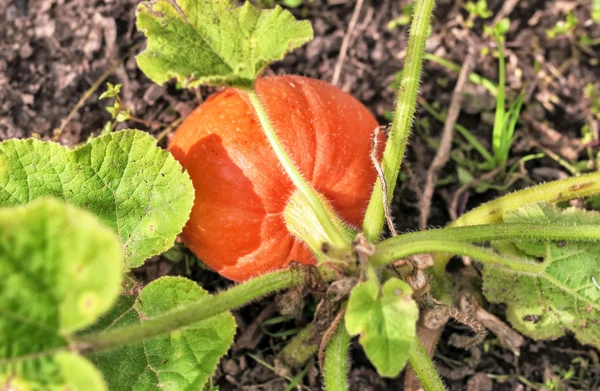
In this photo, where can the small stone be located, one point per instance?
(480, 382)
(183, 109)
(153, 93)
(27, 99)
(25, 51)
(230, 367)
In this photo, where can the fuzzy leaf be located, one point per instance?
(133, 186)
(182, 360)
(60, 269)
(386, 322)
(563, 296)
(214, 42)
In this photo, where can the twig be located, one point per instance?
(463, 341)
(91, 90)
(386, 208)
(561, 144)
(417, 278)
(275, 370)
(412, 180)
(429, 337)
(443, 152)
(453, 208)
(344, 48)
(507, 8)
(507, 336)
(85, 97)
(363, 250)
(465, 317)
(327, 337)
(251, 336)
(168, 129)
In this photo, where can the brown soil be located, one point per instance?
(53, 51)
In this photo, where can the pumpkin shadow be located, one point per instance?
(227, 215)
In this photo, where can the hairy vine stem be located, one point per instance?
(483, 233)
(484, 255)
(403, 118)
(336, 360)
(294, 173)
(557, 191)
(202, 309)
(586, 185)
(424, 369)
(394, 154)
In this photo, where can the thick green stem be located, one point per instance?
(202, 309)
(484, 255)
(492, 212)
(290, 168)
(424, 369)
(304, 224)
(299, 350)
(487, 232)
(403, 119)
(558, 191)
(336, 360)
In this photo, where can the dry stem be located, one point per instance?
(327, 337)
(344, 48)
(443, 152)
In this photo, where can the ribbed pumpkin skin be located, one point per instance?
(236, 226)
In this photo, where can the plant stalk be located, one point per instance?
(294, 174)
(423, 367)
(336, 360)
(299, 350)
(499, 120)
(487, 232)
(484, 255)
(403, 119)
(202, 309)
(557, 191)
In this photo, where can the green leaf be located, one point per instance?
(182, 360)
(79, 373)
(563, 27)
(60, 269)
(561, 297)
(111, 91)
(214, 42)
(123, 115)
(134, 187)
(292, 3)
(464, 176)
(502, 26)
(386, 321)
(60, 371)
(479, 9)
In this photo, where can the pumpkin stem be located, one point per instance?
(315, 203)
(302, 222)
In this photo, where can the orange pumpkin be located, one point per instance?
(236, 225)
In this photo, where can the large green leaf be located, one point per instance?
(213, 41)
(184, 359)
(386, 321)
(561, 297)
(133, 186)
(60, 269)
